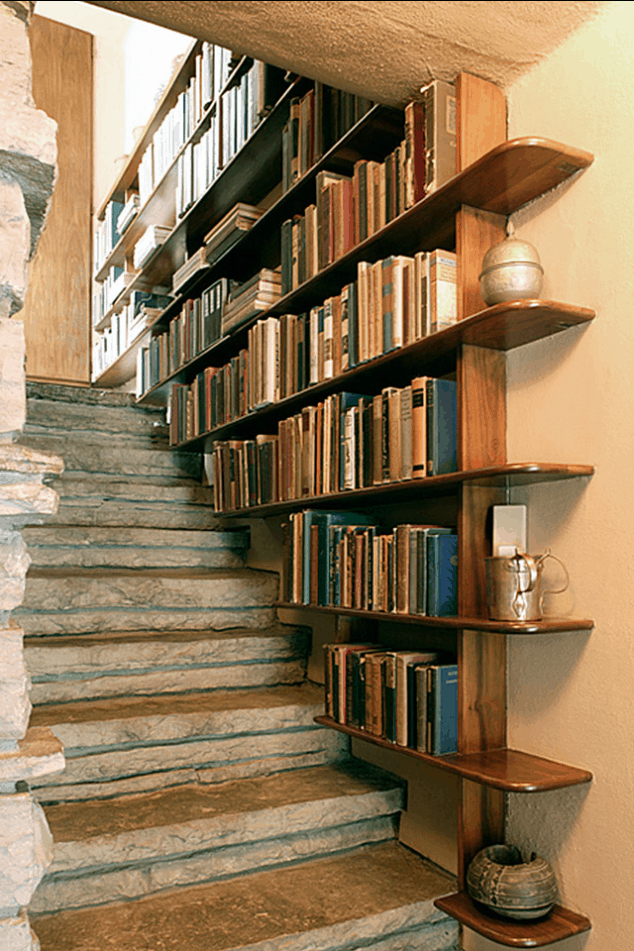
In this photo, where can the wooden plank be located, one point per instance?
(476, 232)
(501, 770)
(563, 625)
(480, 118)
(560, 923)
(57, 310)
(481, 375)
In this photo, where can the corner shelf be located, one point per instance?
(501, 327)
(507, 770)
(560, 923)
(548, 625)
(510, 475)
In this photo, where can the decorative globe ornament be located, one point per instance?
(499, 879)
(511, 270)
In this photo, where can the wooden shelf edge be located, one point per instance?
(513, 474)
(504, 769)
(560, 923)
(549, 625)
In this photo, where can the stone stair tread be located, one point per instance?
(349, 901)
(83, 536)
(199, 803)
(69, 571)
(85, 642)
(121, 708)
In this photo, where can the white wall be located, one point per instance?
(571, 399)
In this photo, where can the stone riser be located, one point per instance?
(293, 751)
(108, 547)
(111, 457)
(118, 514)
(91, 490)
(67, 603)
(171, 681)
(46, 416)
(295, 844)
(117, 665)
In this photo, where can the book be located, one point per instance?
(442, 426)
(442, 709)
(439, 103)
(442, 575)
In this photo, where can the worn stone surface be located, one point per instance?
(26, 850)
(270, 754)
(15, 706)
(105, 456)
(70, 602)
(363, 899)
(12, 353)
(211, 864)
(119, 513)
(37, 754)
(14, 564)
(24, 503)
(125, 422)
(16, 934)
(101, 666)
(136, 739)
(98, 547)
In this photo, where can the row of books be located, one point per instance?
(347, 441)
(393, 302)
(212, 68)
(108, 292)
(406, 697)
(316, 121)
(126, 326)
(191, 332)
(237, 114)
(344, 559)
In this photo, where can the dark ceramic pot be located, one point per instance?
(500, 880)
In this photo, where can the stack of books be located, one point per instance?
(194, 266)
(129, 212)
(405, 697)
(251, 298)
(230, 229)
(151, 240)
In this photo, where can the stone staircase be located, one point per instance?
(201, 806)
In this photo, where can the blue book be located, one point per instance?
(442, 575)
(442, 426)
(325, 521)
(442, 709)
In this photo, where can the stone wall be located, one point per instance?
(27, 176)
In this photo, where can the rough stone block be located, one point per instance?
(15, 245)
(37, 755)
(26, 850)
(12, 392)
(16, 935)
(15, 707)
(14, 564)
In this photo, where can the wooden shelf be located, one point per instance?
(506, 770)
(549, 625)
(511, 475)
(502, 327)
(124, 367)
(560, 923)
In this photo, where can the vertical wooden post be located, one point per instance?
(481, 376)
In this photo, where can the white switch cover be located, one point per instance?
(509, 529)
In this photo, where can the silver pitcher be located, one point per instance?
(514, 586)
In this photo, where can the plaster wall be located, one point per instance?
(570, 400)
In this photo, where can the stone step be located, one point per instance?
(124, 547)
(101, 501)
(379, 897)
(103, 455)
(136, 744)
(138, 845)
(125, 422)
(65, 601)
(149, 662)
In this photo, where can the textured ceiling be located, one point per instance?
(385, 49)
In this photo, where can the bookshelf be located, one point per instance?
(494, 178)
